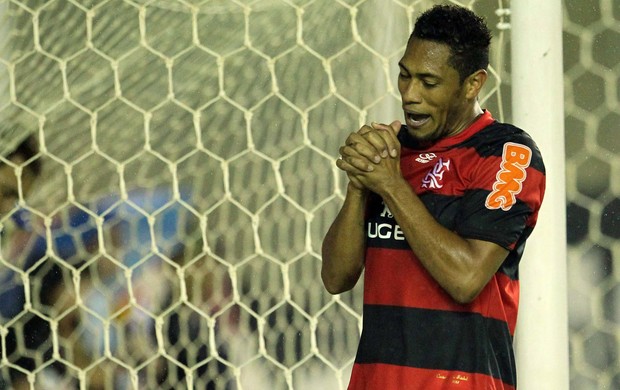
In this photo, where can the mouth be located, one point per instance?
(416, 120)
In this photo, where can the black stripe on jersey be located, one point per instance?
(501, 227)
(510, 266)
(452, 212)
(383, 232)
(489, 142)
(425, 338)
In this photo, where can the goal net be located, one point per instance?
(173, 237)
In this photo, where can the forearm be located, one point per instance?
(462, 267)
(343, 248)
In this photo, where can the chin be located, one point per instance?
(426, 138)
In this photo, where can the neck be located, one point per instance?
(472, 114)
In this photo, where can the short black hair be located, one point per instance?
(27, 149)
(462, 30)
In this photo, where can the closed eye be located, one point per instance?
(429, 84)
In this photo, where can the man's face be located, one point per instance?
(433, 98)
(9, 190)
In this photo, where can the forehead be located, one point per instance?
(424, 56)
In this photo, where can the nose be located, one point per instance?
(410, 91)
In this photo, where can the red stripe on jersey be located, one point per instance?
(390, 377)
(483, 121)
(482, 171)
(529, 194)
(401, 280)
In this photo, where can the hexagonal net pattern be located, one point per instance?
(592, 85)
(172, 239)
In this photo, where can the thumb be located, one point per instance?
(396, 126)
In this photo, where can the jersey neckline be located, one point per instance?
(484, 120)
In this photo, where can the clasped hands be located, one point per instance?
(371, 156)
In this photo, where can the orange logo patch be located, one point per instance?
(515, 159)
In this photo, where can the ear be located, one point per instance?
(474, 83)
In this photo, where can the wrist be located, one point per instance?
(393, 187)
(356, 191)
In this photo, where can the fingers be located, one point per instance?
(353, 162)
(358, 145)
(385, 137)
(368, 146)
(394, 127)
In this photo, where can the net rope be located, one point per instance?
(173, 238)
(591, 67)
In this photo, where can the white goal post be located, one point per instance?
(538, 106)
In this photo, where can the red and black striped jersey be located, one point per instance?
(485, 183)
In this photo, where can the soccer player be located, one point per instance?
(436, 214)
(12, 297)
(9, 186)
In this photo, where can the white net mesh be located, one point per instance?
(172, 240)
(591, 68)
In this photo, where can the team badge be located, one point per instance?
(425, 157)
(434, 178)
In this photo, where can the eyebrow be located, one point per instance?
(421, 75)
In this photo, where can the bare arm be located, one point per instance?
(461, 266)
(344, 245)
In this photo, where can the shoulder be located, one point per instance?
(499, 138)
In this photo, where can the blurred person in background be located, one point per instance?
(14, 187)
(28, 341)
(50, 293)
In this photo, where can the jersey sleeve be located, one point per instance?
(507, 189)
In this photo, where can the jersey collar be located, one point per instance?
(480, 123)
